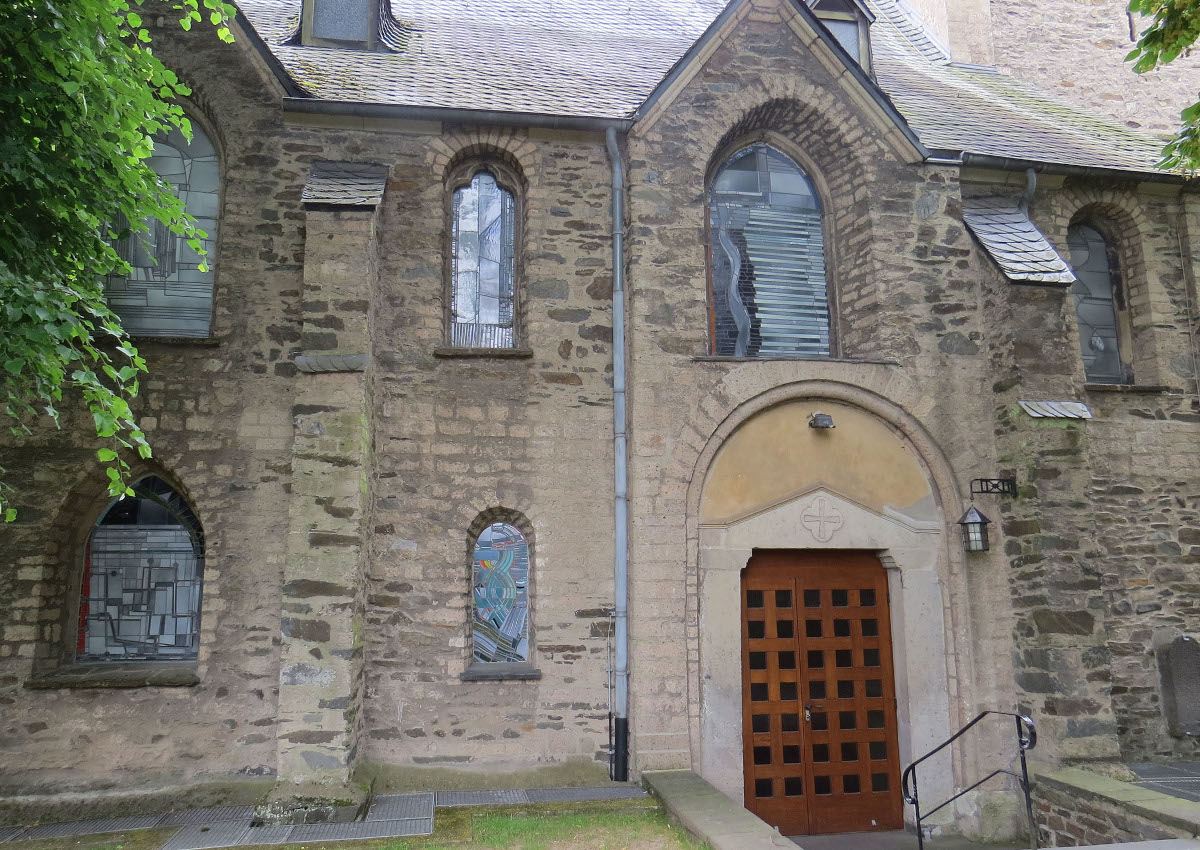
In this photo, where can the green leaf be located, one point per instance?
(106, 455)
(10, 514)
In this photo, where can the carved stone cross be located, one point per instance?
(822, 519)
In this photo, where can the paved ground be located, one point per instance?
(898, 840)
(1179, 779)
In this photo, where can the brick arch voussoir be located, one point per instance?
(510, 146)
(779, 107)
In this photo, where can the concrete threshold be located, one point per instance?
(709, 815)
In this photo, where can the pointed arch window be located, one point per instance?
(1098, 304)
(483, 308)
(166, 292)
(768, 293)
(500, 595)
(143, 571)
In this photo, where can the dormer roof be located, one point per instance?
(604, 58)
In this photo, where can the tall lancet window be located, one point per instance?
(1097, 295)
(483, 296)
(166, 292)
(768, 293)
(500, 581)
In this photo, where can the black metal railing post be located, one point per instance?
(1026, 740)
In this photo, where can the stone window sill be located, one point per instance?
(1145, 389)
(201, 341)
(724, 358)
(144, 674)
(480, 672)
(507, 353)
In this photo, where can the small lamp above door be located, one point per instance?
(974, 530)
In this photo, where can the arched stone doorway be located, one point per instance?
(770, 482)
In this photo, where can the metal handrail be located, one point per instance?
(1026, 740)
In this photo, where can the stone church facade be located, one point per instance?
(348, 463)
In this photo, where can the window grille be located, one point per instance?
(165, 293)
(483, 304)
(1095, 304)
(500, 579)
(769, 295)
(143, 569)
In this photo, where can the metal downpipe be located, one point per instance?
(620, 750)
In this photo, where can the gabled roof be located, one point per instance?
(604, 58)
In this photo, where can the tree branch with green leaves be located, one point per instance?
(1173, 30)
(82, 97)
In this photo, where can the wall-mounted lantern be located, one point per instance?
(820, 420)
(974, 530)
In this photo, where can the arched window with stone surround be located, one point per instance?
(168, 291)
(142, 579)
(1099, 304)
(500, 567)
(483, 261)
(768, 294)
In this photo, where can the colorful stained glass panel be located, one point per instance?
(500, 626)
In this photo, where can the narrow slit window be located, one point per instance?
(1096, 301)
(768, 291)
(500, 626)
(168, 290)
(142, 577)
(483, 298)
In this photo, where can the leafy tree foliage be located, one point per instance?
(81, 98)
(1174, 28)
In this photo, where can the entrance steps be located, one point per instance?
(725, 825)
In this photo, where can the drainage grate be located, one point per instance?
(573, 795)
(8, 833)
(92, 827)
(200, 837)
(266, 835)
(480, 798)
(401, 807)
(350, 831)
(207, 816)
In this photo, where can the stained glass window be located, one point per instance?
(143, 566)
(483, 300)
(1095, 304)
(769, 295)
(500, 626)
(165, 292)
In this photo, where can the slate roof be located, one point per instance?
(1056, 409)
(603, 58)
(1014, 242)
(347, 184)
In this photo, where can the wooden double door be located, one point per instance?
(818, 693)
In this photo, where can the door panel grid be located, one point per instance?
(819, 716)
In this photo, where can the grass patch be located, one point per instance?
(562, 826)
(599, 825)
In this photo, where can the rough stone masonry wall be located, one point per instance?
(524, 438)
(218, 416)
(1077, 48)
(1070, 819)
(1098, 542)
(908, 312)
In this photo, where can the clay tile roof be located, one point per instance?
(349, 184)
(603, 58)
(1014, 242)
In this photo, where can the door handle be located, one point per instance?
(807, 713)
